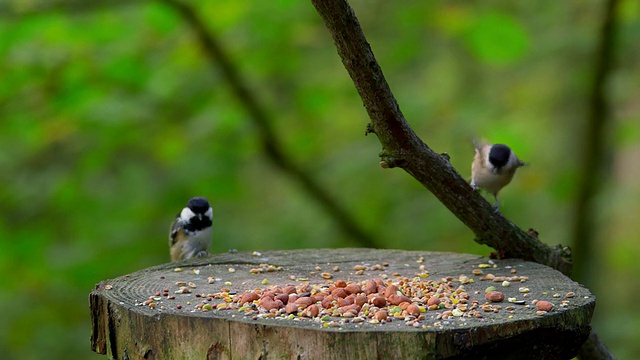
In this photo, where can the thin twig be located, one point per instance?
(271, 144)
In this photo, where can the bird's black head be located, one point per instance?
(198, 205)
(499, 155)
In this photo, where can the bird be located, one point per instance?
(493, 168)
(190, 233)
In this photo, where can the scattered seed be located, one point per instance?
(543, 305)
(494, 296)
(410, 299)
(248, 297)
(490, 288)
(413, 310)
(433, 301)
(380, 315)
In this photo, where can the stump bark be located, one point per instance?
(126, 326)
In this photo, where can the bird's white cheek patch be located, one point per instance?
(209, 213)
(186, 214)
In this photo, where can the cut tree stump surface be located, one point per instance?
(127, 326)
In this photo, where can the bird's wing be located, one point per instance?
(173, 231)
(479, 144)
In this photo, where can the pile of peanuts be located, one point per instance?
(374, 300)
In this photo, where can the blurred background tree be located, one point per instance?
(111, 117)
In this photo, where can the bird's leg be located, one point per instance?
(474, 186)
(496, 204)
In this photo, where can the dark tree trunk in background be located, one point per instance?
(596, 149)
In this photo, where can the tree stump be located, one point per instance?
(172, 311)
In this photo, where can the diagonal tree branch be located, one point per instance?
(270, 142)
(403, 148)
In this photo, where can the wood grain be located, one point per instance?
(124, 329)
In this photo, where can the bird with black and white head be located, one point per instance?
(493, 168)
(190, 233)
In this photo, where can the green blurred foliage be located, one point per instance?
(111, 118)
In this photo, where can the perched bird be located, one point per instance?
(493, 168)
(190, 233)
